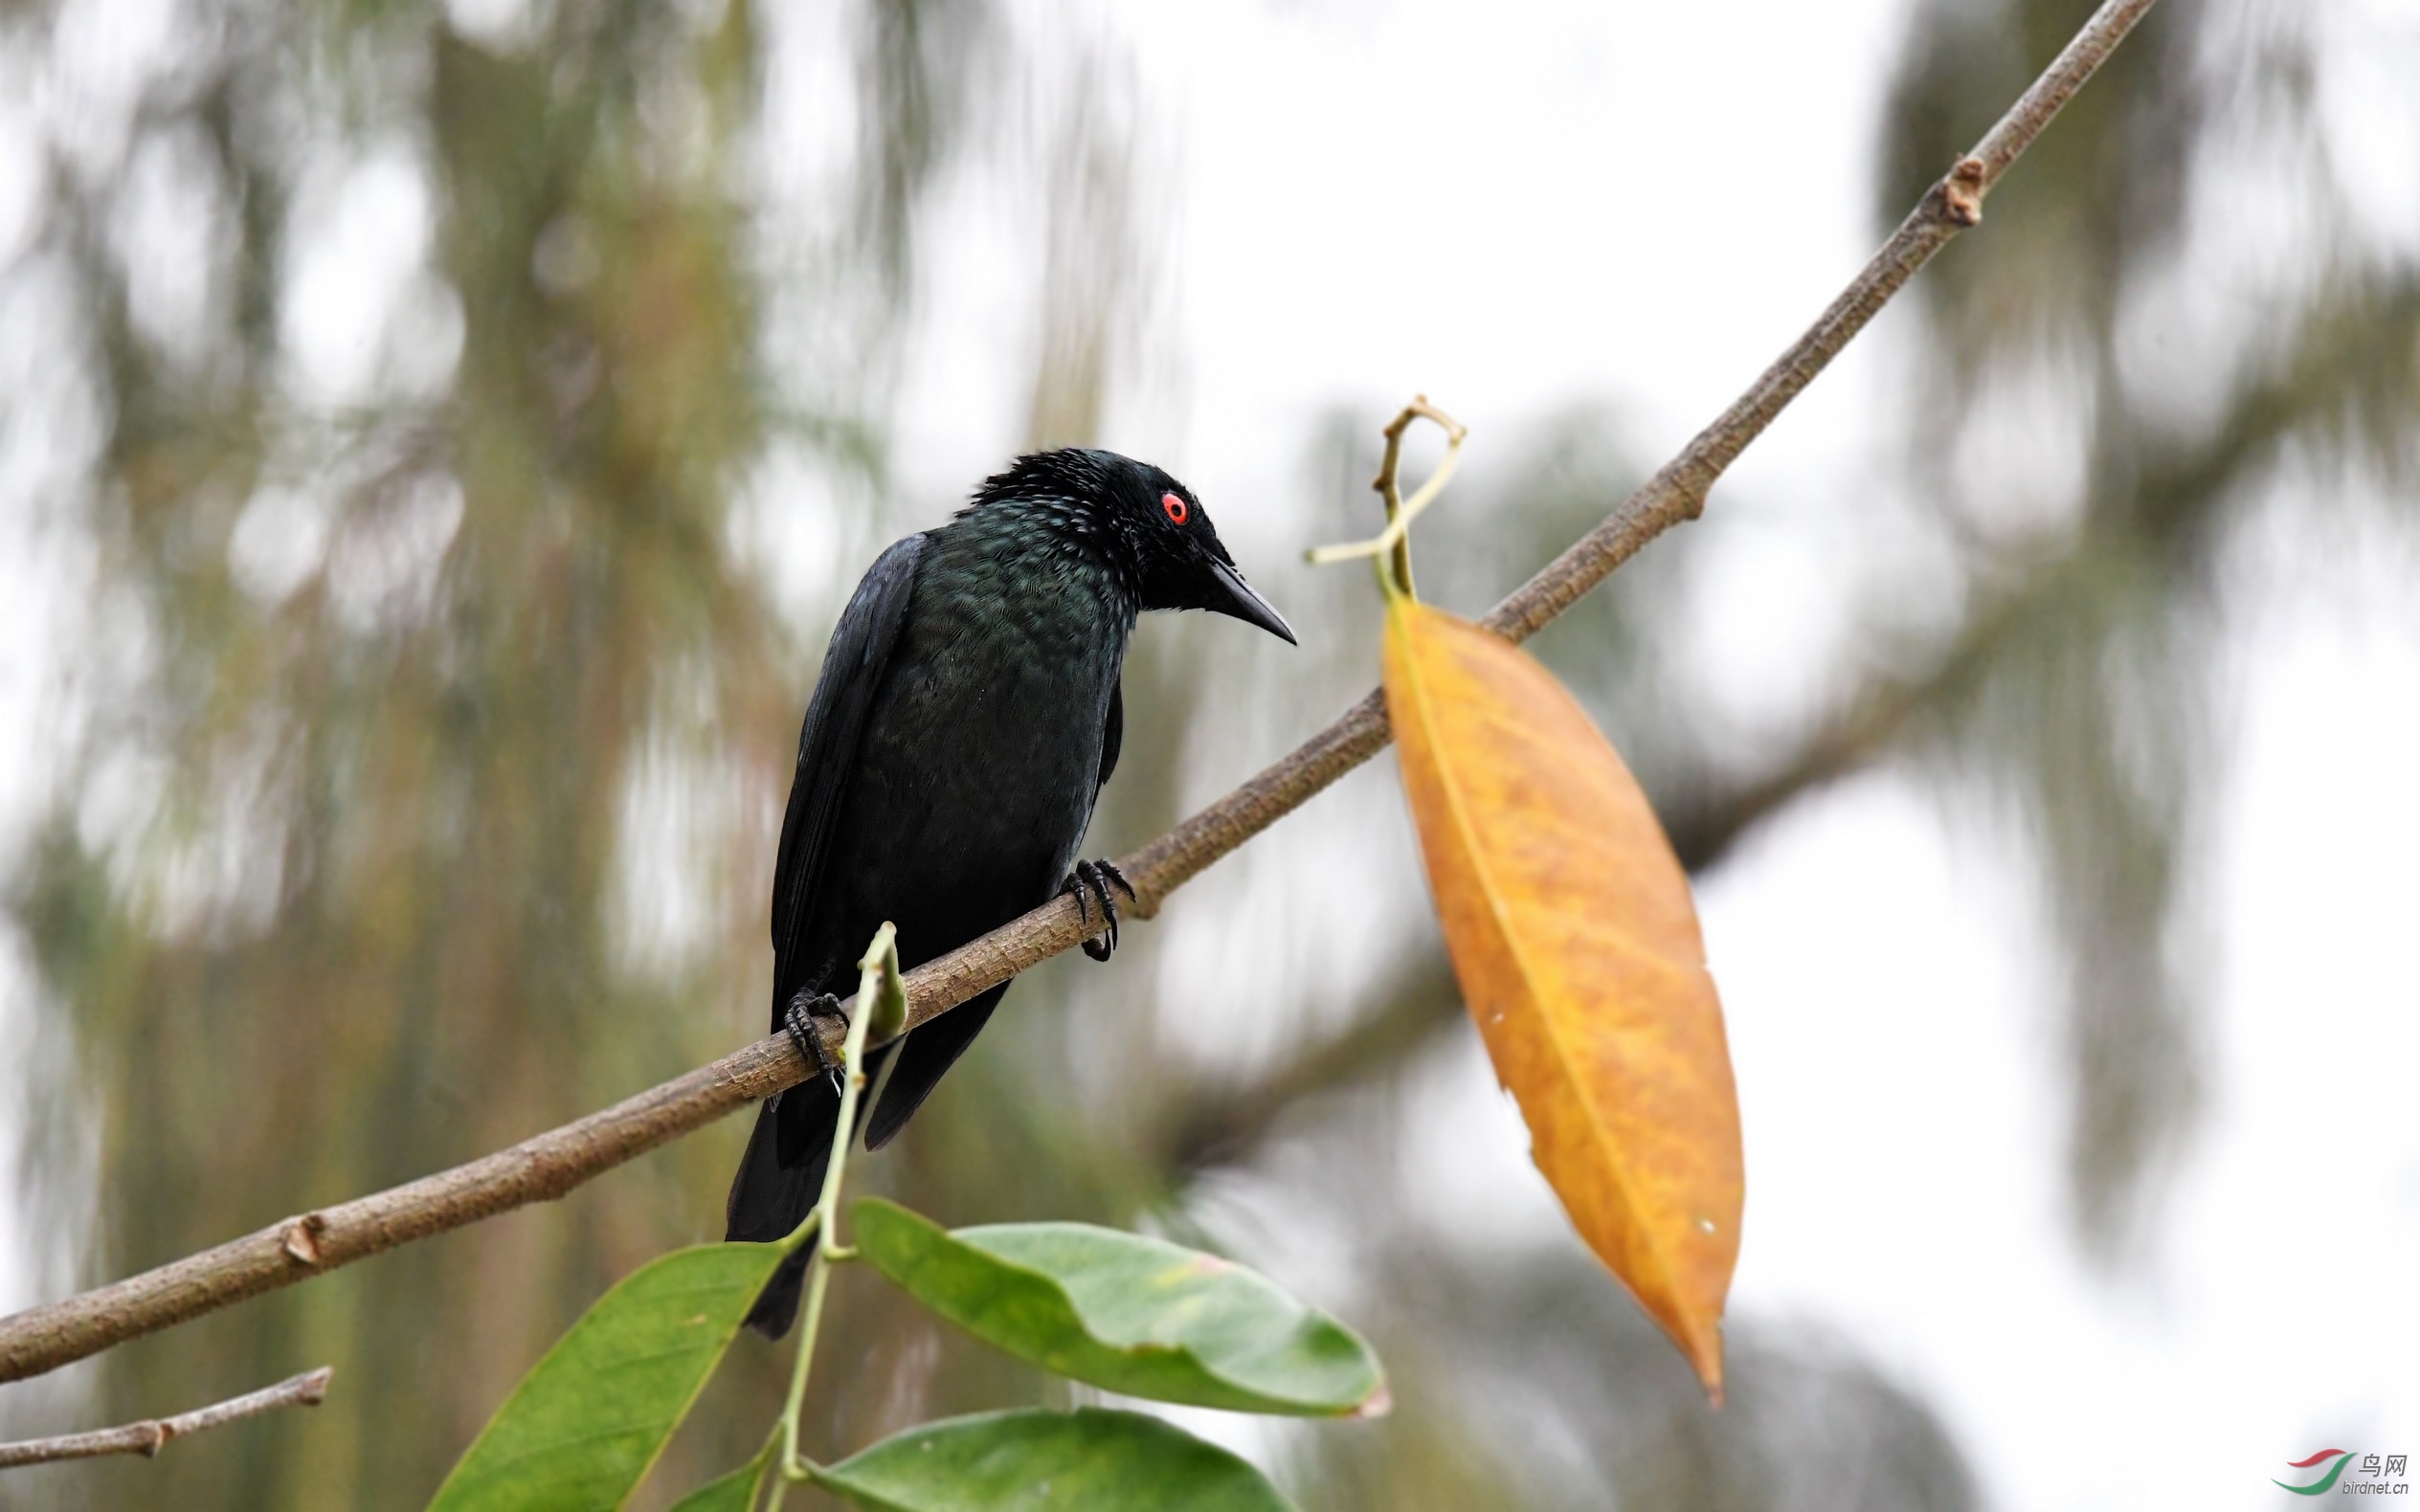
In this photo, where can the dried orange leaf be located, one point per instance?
(1577, 947)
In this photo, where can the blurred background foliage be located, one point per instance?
(423, 755)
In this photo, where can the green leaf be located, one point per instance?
(1089, 1460)
(734, 1492)
(1138, 1316)
(583, 1427)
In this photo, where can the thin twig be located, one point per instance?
(149, 1437)
(1396, 541)
(46, 1337)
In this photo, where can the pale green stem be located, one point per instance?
(880, 963)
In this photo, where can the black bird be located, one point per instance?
(966, 715)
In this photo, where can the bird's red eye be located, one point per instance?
(1175, 508)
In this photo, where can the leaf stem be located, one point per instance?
(1391, 548)
(877, 972)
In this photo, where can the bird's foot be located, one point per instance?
(804, 1018)
(1091, 883)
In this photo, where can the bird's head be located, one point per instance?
(1154, 526)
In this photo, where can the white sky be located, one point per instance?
(1511, 208)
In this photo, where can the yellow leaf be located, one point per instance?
(1577, 947)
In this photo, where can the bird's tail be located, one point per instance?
(779, 1181)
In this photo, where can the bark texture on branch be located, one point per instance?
(149, 1437)
(46, 1337)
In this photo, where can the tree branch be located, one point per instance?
(149, 1437)
(1225, 1124)
(1704, 826)
(46, 1337)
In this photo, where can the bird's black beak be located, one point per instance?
(1235, 596)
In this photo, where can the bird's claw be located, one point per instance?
(801, 1018)
(1090, 882)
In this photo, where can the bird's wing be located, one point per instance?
(828, 740)
(1112, 735)
(928, 1050)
